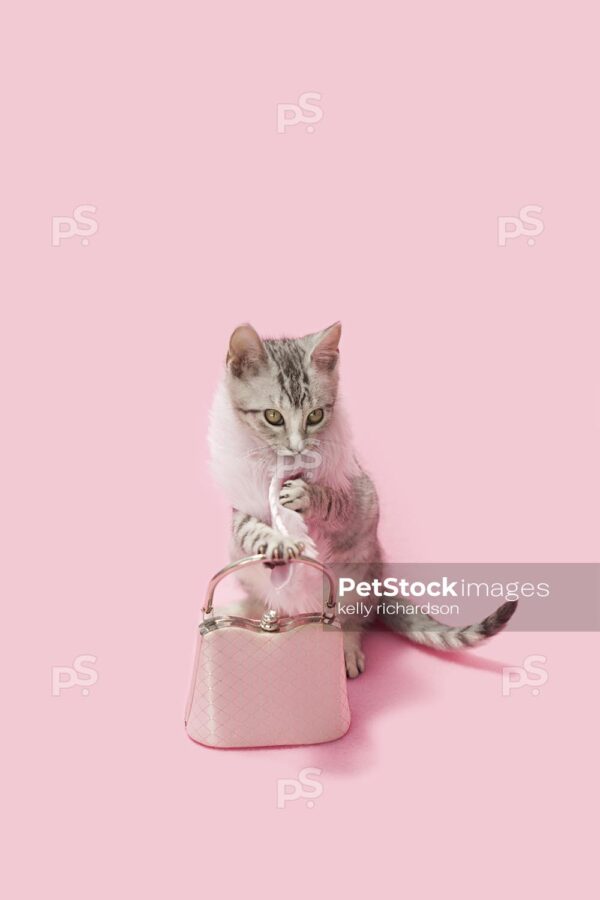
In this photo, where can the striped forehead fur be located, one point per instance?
(289, 357)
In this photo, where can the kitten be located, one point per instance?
(279, 400)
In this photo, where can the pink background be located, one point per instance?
(469, 370)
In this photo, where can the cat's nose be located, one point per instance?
(296, 444)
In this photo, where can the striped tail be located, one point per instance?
(427, 631)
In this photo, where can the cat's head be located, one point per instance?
(284, 390)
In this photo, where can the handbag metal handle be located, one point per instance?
(328, 605)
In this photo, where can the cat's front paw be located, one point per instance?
(353, 654)
(280, 547)
(295, 494)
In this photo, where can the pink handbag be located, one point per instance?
(275, 682)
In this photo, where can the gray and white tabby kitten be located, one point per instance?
(281, 397)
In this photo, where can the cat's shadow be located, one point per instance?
(390, 682)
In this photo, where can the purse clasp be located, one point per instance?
(270, 620)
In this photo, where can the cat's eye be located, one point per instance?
(273, 417)
(315, 417)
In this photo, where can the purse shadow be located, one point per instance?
(391, 680)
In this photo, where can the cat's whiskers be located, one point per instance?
(318, 441)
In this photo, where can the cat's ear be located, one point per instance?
(325, 353)
(246, 354)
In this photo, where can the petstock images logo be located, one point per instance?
(548, 596)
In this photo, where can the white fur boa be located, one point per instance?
(250, 475)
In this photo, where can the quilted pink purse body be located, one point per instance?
(277, 681)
